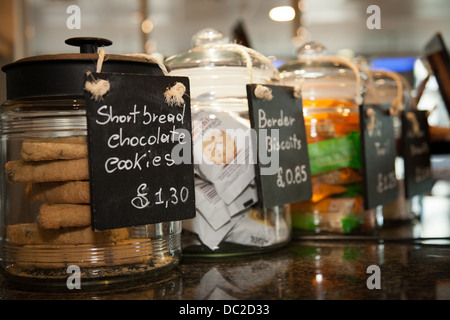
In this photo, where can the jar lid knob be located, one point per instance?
(88, 44)
(311, 49)
(208, 36)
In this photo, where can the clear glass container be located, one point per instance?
(388, 87)
(229, 221)
(45, 231)
(331, 89)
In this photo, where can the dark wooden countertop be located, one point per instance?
(413, 262)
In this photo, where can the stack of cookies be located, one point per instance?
(55, 172)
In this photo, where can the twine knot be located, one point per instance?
(262, 92)
(371, 114)
(298, 89)
(174, 95)
(97, 87)
(414, 122)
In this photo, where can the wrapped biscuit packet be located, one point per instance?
(215, 218)
(222, 147)
(207, 234)
(214, 209)
(257, 228)
(245, 200)
(210, 205)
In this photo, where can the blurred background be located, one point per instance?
(166, 27)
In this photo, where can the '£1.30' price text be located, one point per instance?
(160, 197)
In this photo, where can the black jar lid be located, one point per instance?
(62, 75)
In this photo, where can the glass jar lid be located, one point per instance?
(219, 71)
(212, 49)
(323, 76)
(386, 87)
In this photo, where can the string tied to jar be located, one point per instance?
(397, 102)
(263, 92)
(338, 60)
(414, 122)
(239, 49)
(97, 87)
(298, 88)
(371, 115)
(174, 95)
(150, 58)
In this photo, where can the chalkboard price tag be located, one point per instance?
(282, 171)
(378, 152)
(135, 177)
(415, 149)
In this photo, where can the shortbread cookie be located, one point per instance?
(46, 171)
(30, 233)
(73, 192)
(55, 216)
(40, 149)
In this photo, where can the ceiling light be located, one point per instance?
(283, 13)
(147, 26)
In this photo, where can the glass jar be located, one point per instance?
(388, 87)
(45, 228)
(228, 220)
(331, 90)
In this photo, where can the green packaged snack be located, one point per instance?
(304, 221)
(335, 153)
(353, 190)
(351, 222)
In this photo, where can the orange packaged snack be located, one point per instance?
(329, 118)
(322, 190)
(340, 176)
(335, 215)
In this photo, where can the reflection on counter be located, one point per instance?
(304, 270)
(156, 288)
(244, 279)
(412, 258)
